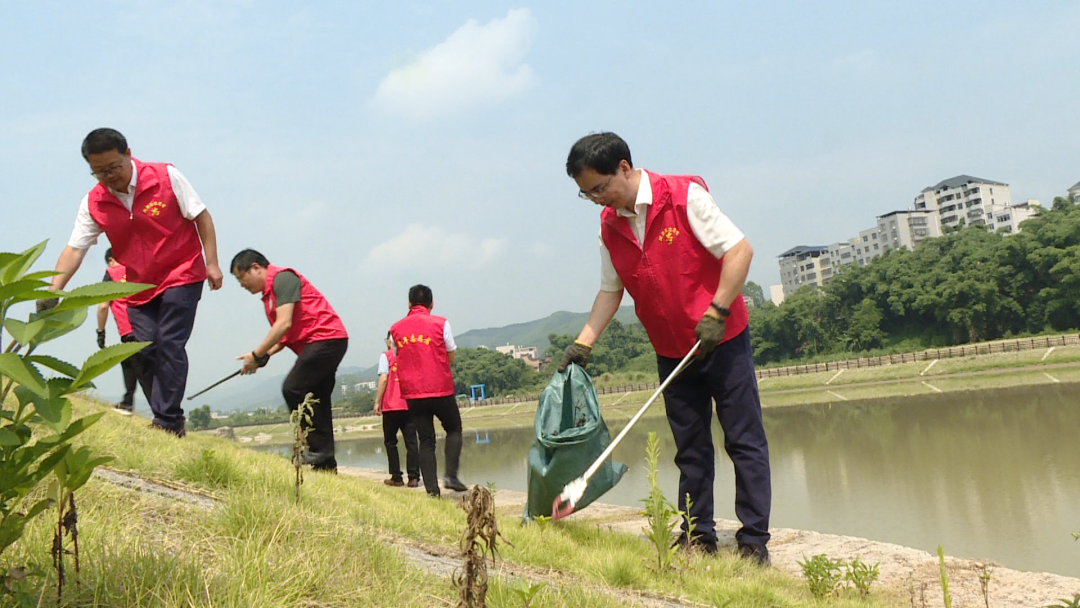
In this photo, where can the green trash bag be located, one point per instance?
(570, 436)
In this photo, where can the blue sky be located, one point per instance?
(375, 145)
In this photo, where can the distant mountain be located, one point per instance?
(535, 333)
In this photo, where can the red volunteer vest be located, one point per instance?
(313, 319)
(673, 277)
(392, 400)
(154, 241)
(119, 307)
(423, 364)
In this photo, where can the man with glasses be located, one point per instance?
(159, 230)
(302, 320)
(664, 240)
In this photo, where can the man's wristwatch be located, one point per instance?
(720, 310)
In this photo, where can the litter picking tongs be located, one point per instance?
(574, 490)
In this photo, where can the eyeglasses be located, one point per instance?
(596, 193)
(110, 170)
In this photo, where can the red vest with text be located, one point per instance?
(392, 401)
(673, 277)
(423, 363)
(313, 320)
(119, 307)
(154, 241)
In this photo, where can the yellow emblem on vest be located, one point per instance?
(153, 208)
(667, 235)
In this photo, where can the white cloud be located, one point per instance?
(476, 64)
(421, 246)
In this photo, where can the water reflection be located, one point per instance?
(989, 474)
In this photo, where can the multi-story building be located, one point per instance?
(1075, 192)
(804, 265)
(963, 200)
(906, 229)
(1008, 218)
(841, 254)
(529, 354)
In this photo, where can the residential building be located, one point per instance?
(1075, 192)
(906, 229)
(964, 200)
(867, 246)
(842, 254)
(776, 294)
(804, 265)
(529, 354)
(1008, 218)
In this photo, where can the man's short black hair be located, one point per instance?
(600, 152)
(420, 295)
(108, 255)
(247, 257)
(103, 140)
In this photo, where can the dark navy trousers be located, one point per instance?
(424, 412)
(392, 422)
(315, 372)
(166, 322)
(726, 376)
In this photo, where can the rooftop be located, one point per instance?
(904, 211)
(804, 249)
(960, 180)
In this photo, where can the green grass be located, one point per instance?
(337, 546)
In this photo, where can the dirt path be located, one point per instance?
(906, 570)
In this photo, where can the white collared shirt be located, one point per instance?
(712, 228)
(86, 230)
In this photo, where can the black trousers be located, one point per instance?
(314, 372)
(424, 412)
(131, 370)
(394, 421)
(726, 376)
(166, 322)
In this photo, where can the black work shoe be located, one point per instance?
(708, 547)
(413, 483)
(179, 434)
(397, 483)
(453, 483)
(757, 554)
(124, 408)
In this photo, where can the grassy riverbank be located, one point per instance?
(345, 544)
(1060, 364)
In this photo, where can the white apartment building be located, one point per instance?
(841, 254)
(964, 199)
(906, 229)
(1009, 218)
(804, 265)
(776, 294)
(1075, 191)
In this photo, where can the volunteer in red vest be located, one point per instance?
(130, 366)
(425, 350)
(395, 417)
(663, 239)
(159, 230)
(302, 320)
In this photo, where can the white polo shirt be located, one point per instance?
(712, 228)
(86, 230)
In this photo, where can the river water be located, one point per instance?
(988, 474)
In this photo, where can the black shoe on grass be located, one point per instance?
(453, 483)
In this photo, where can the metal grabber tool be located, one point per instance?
(229, 377)
(574, 490)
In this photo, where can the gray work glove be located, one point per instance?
(46, 304)
(575, 353)
(710, 331)
(101, 338)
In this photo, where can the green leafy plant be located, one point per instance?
(986, 572)
(660, 514)
(37, 426)
(944, 578)
(527, 592)
(823, 574)
(861, 575)
(300, 419)
(1066, 602)
(543, 521)
(1076, 535)
(690, 521)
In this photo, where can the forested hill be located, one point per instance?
(535, 333)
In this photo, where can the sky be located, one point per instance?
(375, 145)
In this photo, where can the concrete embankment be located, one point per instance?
(909, 572)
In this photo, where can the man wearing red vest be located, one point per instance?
(302, 320)
(130, 366)
(395, 417)
(159, 230)
(425, 350)
(664, 240)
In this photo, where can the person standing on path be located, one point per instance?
(395, 417)
(425, 351)
(159, 230)
(663, 239)
(302, 320)
(130, 366)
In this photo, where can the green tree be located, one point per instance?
(199, 418)
(753, 291)
(500, 374)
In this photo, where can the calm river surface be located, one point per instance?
(988, 475)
